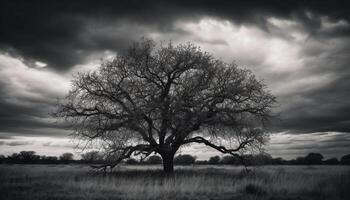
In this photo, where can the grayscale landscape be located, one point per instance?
(174, 99)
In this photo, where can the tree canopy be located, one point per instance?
(160, 98)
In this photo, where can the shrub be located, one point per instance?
(153, 160)
(331, 161)
(185, 159)
(214, 160)
(229, 160)
(345, 160)
(313, 159)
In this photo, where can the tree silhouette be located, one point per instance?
(66, 157)
(313, 159)
(2, 158)
(214, 160)
(92, 157)
(153, 160)
(331, 161)
(158, 99)
(229, 160)
(185, 159)
(345, 159)
(28, 156)
(262, 159)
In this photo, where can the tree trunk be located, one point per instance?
(168, 163)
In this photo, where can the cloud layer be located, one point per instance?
(300, 49)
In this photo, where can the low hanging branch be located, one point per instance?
(233, 152)
(123, 154)
(221, 149)
(156, 98)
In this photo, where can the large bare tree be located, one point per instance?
(160, 98)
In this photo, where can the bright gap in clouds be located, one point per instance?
(24, 85)
(277, 55)
(40, 64)
(248, 45)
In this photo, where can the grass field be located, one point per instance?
(194, 182)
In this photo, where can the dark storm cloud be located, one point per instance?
(18, 120)
(329, 144)
(27, 96)
(63, 33)
(325, 108)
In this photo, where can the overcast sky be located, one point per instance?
(300, 48)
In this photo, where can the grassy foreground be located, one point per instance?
(198, 182)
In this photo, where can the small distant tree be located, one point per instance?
(184, 159)
(262, 159)
(66, 157)
(229, 160)
(154, 160)
(158, 99)
(51, 159)
(299, 161)
(28, 156)
(2, 158)
(278, 161)
(92, 157)
(331, 161)
(14, 158)
(313, 159)
(214, 160)
(345, 160)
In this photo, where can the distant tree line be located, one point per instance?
(266, 159)
(94, 157)
(260, 159)
(30, 157)
(184, 159)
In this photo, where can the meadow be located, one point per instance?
(192, 182)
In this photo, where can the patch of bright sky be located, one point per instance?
(40, 64)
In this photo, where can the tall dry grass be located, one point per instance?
(197, 182)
